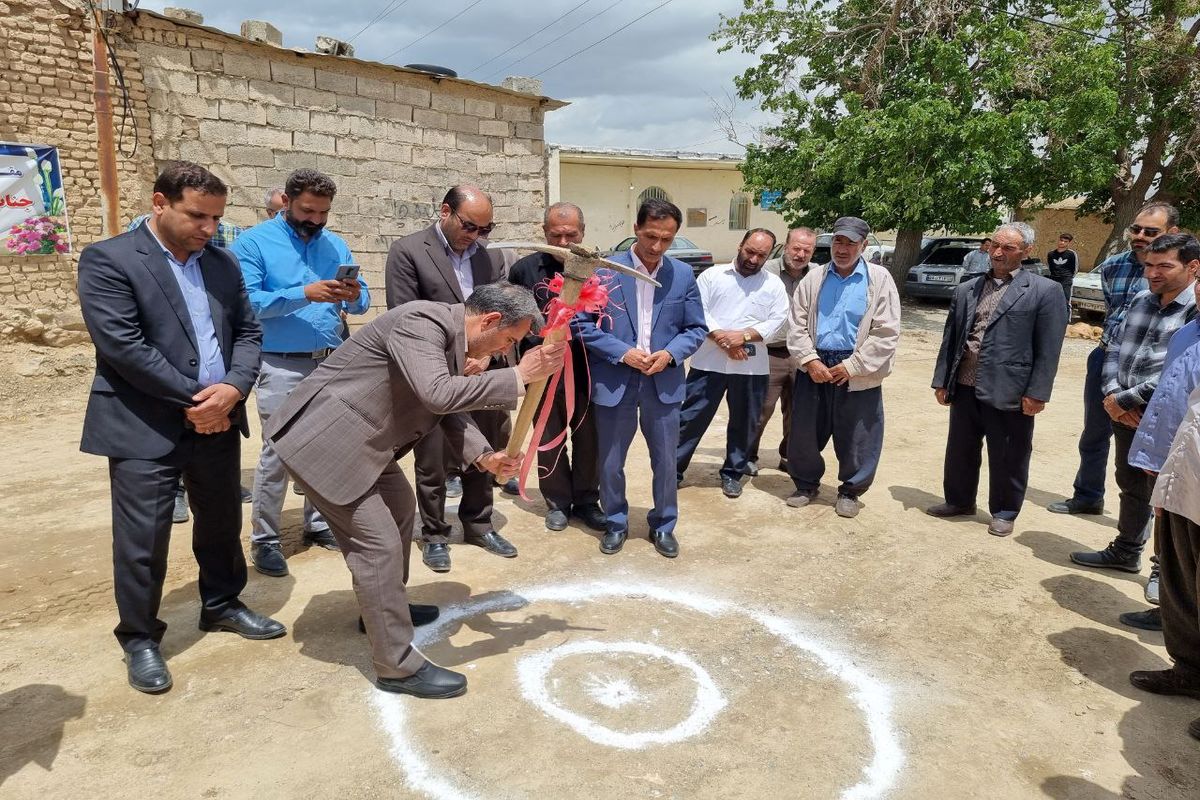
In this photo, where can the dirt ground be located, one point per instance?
(785, 653)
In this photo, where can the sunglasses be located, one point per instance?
(1136, 229)
(471, 227)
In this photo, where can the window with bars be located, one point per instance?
(739, 212)
(653, 193)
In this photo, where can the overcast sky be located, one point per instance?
(649, 86)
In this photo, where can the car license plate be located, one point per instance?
(940, 278)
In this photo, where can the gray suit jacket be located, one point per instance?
(381, 391)
(418, 269)
(147, 357)
(1019, 353)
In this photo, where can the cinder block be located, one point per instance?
(283, 72)
(376, 89)
(353, 104)
(356, 148)
(426, 118)
(440, 139)
(314, 142)
(495, 127)
(170, 80)
(291, 118)
(338, 82)
(268, 92)
(396, 112)
(485, 109)
(515, 113)
(461, 123)
(447, 102)
(243, 112)
(258, 30)
(246, 65)
(222, 87)
(274, 138)
(325, 122)
(412, 95)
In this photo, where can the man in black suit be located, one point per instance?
(995, 370)
(177, 350)
(444, 263)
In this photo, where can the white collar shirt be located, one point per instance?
(645, 301)
(733, 301)
(460, 263)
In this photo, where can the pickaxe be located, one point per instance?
(579, 264)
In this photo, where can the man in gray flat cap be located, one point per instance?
(843, 331)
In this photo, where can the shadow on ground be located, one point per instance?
(32, 718)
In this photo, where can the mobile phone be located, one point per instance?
(347, 272)
(749, 348)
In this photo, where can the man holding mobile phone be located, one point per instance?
(300, 279)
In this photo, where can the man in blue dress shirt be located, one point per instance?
(289, 263)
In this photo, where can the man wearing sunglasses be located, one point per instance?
(444, 263)
(1122, 279)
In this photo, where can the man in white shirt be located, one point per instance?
(980, 260)
(743, 305)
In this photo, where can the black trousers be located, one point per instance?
(571, 481)
(1009, 436)
(1133, 519)
(1179, 559)
(854, 420)
(434, 462)
(143, 496)
(743, 394)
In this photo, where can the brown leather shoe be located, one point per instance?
(1164, 681)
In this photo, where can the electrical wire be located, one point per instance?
(423, 36)
(530, 36)
(127, 115)
(605, 39)
(555, 40)
(383, 14)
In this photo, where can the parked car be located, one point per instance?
(683, 249)
(1087, 294)
(821, 253)
(940, 268)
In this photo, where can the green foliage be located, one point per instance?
(943, 113)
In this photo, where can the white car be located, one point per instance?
(1087, 294)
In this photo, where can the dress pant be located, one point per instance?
(375, 535)
(1133, 519)
(568, 482)
(143, 497)
(1178, 541)
(278, 377)
(854, 420)
(660, 426)
(1009, 437)
(1094, 440)
(779, 390)
(743, 395)
(434, 461)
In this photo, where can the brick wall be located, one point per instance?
(46, 98)
(394, 140)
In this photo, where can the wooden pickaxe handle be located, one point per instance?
(534, 391)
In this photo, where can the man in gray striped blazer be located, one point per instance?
(342, 429)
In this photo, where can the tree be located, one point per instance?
(933, 114)
(1131, 112)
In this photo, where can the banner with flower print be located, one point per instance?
(33, 209)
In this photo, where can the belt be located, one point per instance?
(779, 351)
(312, 354)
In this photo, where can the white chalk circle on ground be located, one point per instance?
(532, 671)
(872, 697)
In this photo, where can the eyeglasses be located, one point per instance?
(471, 227)
(1135, 229)
(1007, 248)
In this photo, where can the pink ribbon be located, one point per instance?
(593, 298)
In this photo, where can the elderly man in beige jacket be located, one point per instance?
(844, 327)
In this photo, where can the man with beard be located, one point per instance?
(302, 325)
(743, 305)
(1122, 278)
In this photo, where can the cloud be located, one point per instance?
(649, 86)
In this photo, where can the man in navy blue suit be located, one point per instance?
(638, 346)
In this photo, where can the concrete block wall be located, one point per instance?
(393, 140)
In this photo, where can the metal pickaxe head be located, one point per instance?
(579, 262)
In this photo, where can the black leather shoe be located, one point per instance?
(493, 542)
(148, 671)
(592, 516)
(556, 520)
(947, 510)
(511, 487)
(1148, 620)
(320, 539)
(430, 682)
(245, 623)
(1073, 506)
(436, 556)
(731, 488)
(664, 542)
(1164, 681)
(421, 615)
(612, 542)
(268, 559)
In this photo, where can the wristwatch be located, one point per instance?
(746, 337)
